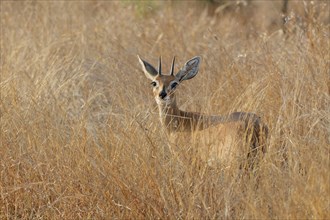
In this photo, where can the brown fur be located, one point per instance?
(230, 138)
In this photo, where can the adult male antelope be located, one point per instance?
(237, 135)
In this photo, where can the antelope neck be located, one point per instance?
(168, 110)
(176, 120)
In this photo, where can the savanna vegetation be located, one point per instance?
(80, 136)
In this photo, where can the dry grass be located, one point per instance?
(80, 135)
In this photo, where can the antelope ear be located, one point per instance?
(148, 69)
(189, 70)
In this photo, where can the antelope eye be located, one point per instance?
(154, 84)
(173, 85)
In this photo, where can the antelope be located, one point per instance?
(232, 132)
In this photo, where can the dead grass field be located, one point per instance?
(80, 135)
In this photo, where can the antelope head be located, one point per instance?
(164, 86)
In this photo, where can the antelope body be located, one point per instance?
(227, 138)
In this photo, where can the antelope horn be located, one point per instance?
(172, 68)
(160, 66)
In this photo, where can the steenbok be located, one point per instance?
(233, 137)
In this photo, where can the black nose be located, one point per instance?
(162, 94)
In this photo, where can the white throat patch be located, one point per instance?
(164, 101)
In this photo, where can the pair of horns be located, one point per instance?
(160, 66)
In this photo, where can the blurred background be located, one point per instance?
(80, 134)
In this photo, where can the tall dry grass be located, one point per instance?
(80, 136)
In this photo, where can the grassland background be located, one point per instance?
(80, 135)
